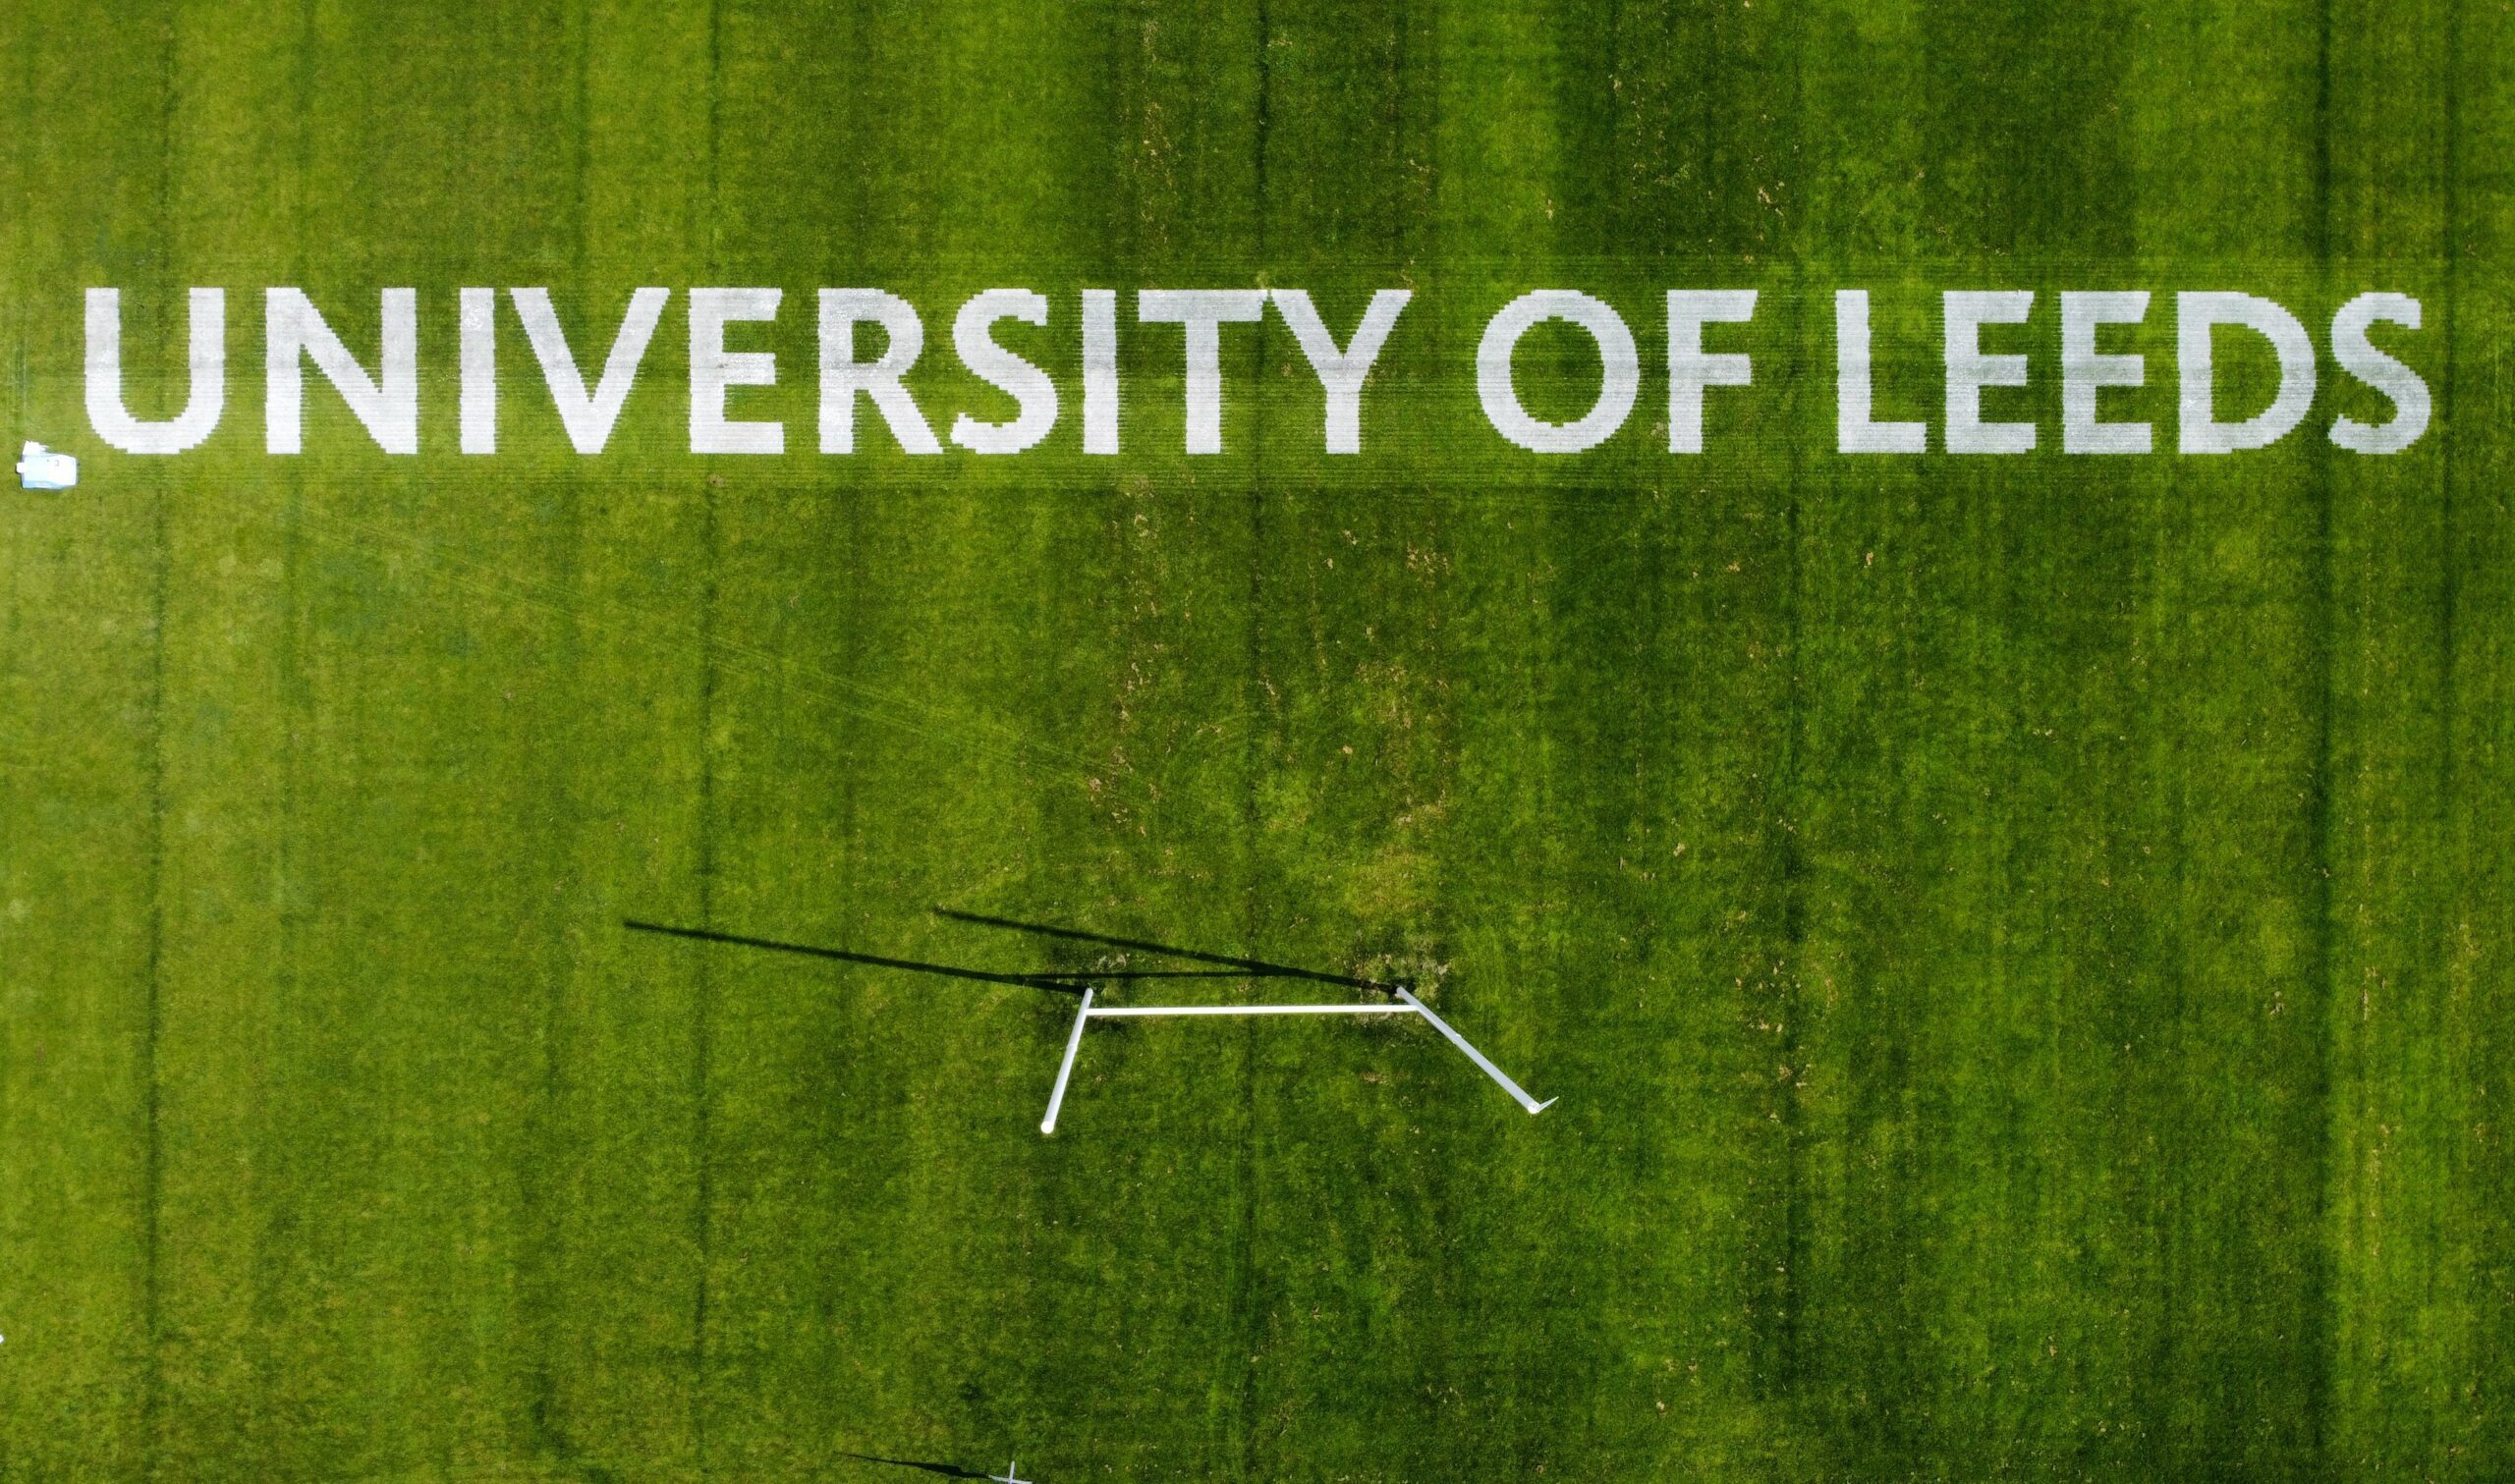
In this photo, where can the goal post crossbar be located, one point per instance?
(1123, 1012)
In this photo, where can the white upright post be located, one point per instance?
(1073, 1044)
(1495, 1072)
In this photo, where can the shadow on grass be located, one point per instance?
(947, 1470)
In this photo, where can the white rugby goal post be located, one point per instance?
(1410, 1006)
(1089, 982)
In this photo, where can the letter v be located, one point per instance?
(589, 418)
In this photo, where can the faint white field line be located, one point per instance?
(871, 704)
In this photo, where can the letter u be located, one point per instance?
(203, 403)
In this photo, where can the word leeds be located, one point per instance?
(1193, 323)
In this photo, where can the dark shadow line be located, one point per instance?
(1101, 976)
(1253, 966)
(947, 1470)
(1051, 983)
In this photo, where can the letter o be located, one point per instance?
(1621, 383)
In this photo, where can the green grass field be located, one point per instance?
(2022, 944)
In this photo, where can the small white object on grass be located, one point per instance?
(40, 468)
